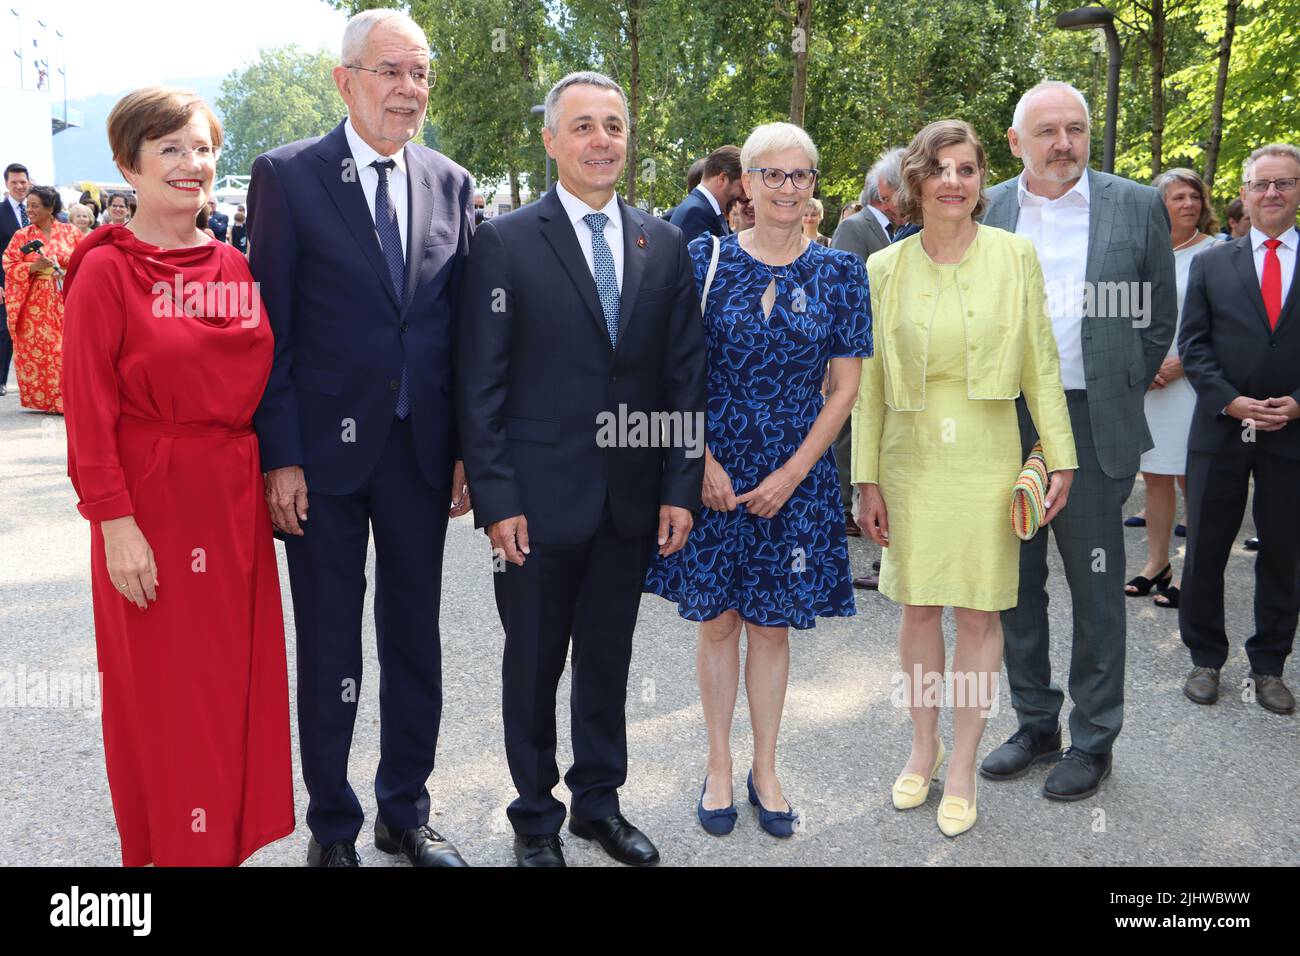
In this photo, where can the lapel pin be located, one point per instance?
(640, 242)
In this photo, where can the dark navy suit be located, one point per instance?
(535, 373)
(342, 336)
(695, 217)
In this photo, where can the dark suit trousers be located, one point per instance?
(1090, 537)
(327, 572)
(843, 451)
(1217, 485)
(591, 592)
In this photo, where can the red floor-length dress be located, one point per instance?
(158, 406)
(34, 306)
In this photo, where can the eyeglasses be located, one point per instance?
(174, 154)
(423, 79)
(1261, 185)
(774, 178)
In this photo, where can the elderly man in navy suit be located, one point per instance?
(359, 240)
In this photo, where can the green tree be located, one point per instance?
(288, 94)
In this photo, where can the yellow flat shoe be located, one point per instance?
(956, 815)
(911, 789)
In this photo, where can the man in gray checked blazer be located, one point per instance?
(1104, 246)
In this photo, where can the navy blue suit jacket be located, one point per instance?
(695, 217)
(536, 373)
(341, 334)
(9, 224)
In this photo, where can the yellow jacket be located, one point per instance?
(1010, 348)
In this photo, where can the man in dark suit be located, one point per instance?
(1108, 267)
(358, 240)
(578, 312)
(693, 176)
(1240, 347)
(704, 210)
(13, 216)
(218, 222)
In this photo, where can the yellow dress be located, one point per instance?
(946, 474)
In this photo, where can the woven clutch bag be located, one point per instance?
(1029, 495)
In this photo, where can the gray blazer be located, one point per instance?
(860, 235)
(1128, 242)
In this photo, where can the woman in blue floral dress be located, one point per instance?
(769, 551)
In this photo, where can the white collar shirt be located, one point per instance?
(576, 209)
(1058, 229)
(398, 181)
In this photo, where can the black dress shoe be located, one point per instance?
(1272, 694)
(875, 565)
(868, 582)
(1202, 685)
(1078, 775)
(342, 853)
(619, 839)
(1252, 544)
(542, 850)
(423, 846)
(1021, 751)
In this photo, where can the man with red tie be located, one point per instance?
(1240, 346)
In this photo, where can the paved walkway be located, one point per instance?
(1192, 785)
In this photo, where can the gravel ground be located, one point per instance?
(1192, 785)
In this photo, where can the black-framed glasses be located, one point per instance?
(422, 78)
(774, 178)
(1284, 185)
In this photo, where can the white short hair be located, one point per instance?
(774, 138)
(888, 167)
(357, 32)
(1018, 118)
(1272, 149)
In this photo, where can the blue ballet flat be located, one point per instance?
(778, 823)
(718, 822)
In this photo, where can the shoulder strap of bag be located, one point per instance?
(708, 279)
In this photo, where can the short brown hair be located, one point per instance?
(921, 161)
(1207, 222)
(724, 159)
(152, 113)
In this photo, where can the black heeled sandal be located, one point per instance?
(1143, 586)
(1170, 595)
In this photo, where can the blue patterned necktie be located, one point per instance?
(390, 242)
(606, 278)
(22, 215)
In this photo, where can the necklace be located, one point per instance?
(1184, 245)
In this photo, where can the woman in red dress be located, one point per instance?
(166, 357)
(35, 303)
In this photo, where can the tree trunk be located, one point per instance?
(633, 98)
(514, 188)
(800, 38)
(1220, 88)
(1157, 85)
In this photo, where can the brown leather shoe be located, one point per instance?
(1202, 685)
(1272, 694)
(868, 582)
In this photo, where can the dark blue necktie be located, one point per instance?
(22, 215)
(390, 242)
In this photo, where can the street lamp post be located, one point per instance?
(1100, 18)
(540, 110)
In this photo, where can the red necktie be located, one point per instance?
(1271, 287)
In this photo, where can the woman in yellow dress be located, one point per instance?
(962, 330)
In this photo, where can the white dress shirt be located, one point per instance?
(398, 190)
(14, 204)
(709, 196)
(881, 218)
(1286, 254)
(576, 209)
(1058, 229)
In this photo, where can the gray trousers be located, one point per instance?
(842, 448)
(1090, 537)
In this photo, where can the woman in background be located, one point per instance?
(34, 299)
